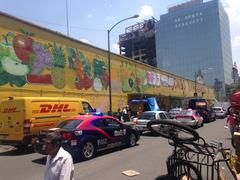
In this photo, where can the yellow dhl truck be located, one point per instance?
(22, 118)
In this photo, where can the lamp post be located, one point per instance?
(67, 17)
(195, 84)
(196, 74)
(109, 61)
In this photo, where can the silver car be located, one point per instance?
(219, 111)
(141, 122)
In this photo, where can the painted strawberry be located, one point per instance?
(22, 44)
(105, 80)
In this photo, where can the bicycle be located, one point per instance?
(192, 157)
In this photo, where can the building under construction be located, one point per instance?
(138, 42)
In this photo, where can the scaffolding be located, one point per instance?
(138, 42)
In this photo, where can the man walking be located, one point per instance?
(59, 164)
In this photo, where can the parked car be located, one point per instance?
(173, 112)
(141, 122)
(220, 112)
(190, 117)
(84, 135)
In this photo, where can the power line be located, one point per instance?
(62, 25)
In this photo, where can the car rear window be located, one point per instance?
(148, 116)
(70, 124)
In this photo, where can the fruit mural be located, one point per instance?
(101, 75)
(132, 78)
(25, 60)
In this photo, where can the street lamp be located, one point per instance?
(67, 17)
(196, 74)
(109, 61)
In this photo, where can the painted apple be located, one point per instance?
(14, 67)
(22, 45)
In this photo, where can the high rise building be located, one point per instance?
(194, 37)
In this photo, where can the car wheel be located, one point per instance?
(88, 150)
(196, 126)
(132, 140)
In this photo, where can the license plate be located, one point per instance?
(73, 142)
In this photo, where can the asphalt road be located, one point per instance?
(148, 158)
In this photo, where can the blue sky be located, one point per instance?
(89, 20)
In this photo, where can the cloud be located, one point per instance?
(115, 48)
(232, 8)
(236, 42)
(89, 15)
(145, 12)
(109, 18)
(85, 41)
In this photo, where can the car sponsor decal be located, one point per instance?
(102, 141)
(121, 132)
(112, 145)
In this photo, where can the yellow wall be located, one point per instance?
(35, 61)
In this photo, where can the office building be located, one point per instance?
(194, 37)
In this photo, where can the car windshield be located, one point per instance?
(148, 115)
(69, 124)
(186, 112)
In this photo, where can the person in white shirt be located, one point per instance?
(59, 164)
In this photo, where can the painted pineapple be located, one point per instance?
(58, 70)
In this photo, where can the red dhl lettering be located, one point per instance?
(47, 108)
(10, 110)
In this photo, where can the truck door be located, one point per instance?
(12, 115)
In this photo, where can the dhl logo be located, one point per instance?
(51, 108)
(10, 110)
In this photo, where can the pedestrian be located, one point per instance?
(59, 164)
(119, 114)
(125, 114)
(231, 121)
(139, 112)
